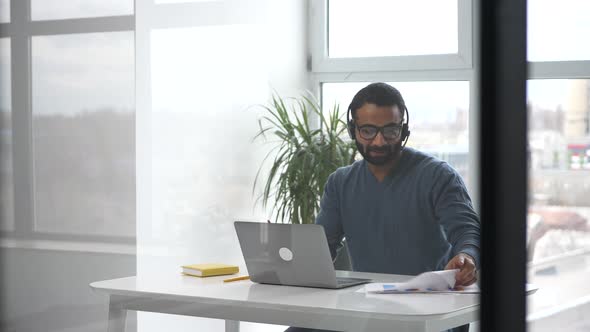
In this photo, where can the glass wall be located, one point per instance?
(203, 71)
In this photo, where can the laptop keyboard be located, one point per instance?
(342, 280)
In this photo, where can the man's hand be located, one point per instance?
(467, 272)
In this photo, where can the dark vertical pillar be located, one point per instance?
(503, 182)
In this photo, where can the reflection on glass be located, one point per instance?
(6, 177)
(559, 209)
(558, 31)
(59, 9)
(375, 28)
(439, 116)
(84, 133)
(4, 11)
(203, 165)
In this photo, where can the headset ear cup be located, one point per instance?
(405, 131)
(406, 127)
(351, 129)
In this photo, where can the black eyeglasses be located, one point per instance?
(389, 132)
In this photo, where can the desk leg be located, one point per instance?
(117, 315)
(231, 326)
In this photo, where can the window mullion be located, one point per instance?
(465, 30)
(22, 119)
(474, 111)
(81, 25)
(397, 76)
(318, 35)
(559, 70)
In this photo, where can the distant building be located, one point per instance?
(577, 125)
(577, 110)
(547, 149)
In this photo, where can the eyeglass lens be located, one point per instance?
(389, 132)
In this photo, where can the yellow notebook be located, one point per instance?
(207, 270)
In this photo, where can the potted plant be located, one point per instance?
(303, 157)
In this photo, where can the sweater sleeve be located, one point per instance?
(329, 215)
(455, 213)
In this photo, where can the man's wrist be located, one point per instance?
(473, 252)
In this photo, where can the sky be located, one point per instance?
(79, 72)
(399, 27)
(558, 30)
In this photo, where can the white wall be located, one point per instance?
(200, 68)
(47, 290)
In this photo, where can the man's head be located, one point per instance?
(377, 123)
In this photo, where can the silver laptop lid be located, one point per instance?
(286, 254)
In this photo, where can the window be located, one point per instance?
(84, 133)
(556, 31)
(70, 123)
(559, 187)
(559, 146)
(394, 35)
(356, 29)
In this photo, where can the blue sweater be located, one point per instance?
(415, 220)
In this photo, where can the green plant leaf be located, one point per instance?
(304, 156)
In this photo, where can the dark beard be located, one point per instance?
(392, 151)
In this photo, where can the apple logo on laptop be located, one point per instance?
(286, 254)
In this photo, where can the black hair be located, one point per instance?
(380, 94)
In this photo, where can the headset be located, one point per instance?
(405, 127)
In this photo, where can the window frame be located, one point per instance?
(322, 63)
(20, 30)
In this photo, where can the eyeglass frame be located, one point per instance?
(381, 129)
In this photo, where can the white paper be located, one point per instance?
(427, 282)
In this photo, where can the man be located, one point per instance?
(401, 211)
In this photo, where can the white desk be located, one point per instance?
(340, 310)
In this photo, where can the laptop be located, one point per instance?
(289, 254)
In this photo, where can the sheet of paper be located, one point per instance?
(429, 282)
(434, 281)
